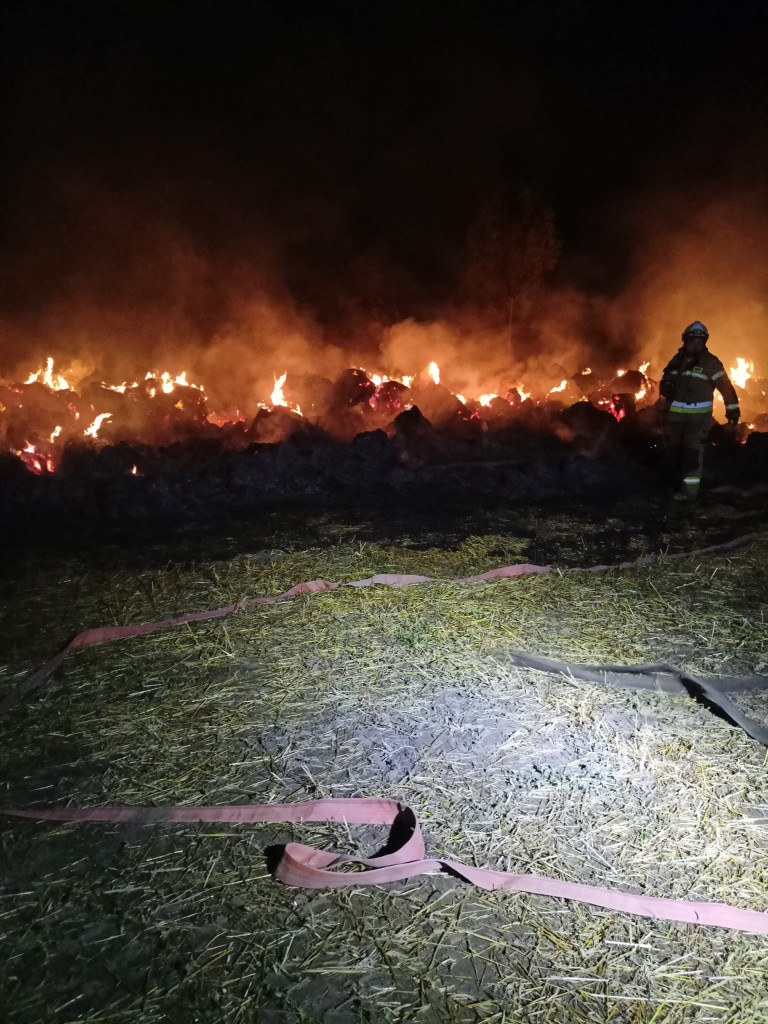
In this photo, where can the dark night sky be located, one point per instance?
(347, 147)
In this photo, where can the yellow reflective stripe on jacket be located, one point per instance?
(690, 407)
(699, 376)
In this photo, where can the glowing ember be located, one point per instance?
(434, 372)
(588, 370)
(134, 471)
(560, 387)
(36, 462)
(277, 397)
(93, 430)
(55, 434)
(741, 373)
(620, 373)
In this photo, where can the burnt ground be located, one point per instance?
(416, 483)
(605, 529)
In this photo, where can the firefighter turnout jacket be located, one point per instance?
(689, 383)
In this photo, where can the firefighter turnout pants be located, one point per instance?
(684, 438)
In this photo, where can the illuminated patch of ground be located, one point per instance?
(384, 692)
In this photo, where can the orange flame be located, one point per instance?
(741, 372)
(93, 430)
(57, 383)
(277, 397)
(434, 372)
(560, 387)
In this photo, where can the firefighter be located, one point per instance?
(687, 390)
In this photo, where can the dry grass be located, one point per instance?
(385, 692)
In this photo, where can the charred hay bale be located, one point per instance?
(756, 446)
(374, 446)
(609, 475)
(13, 472)
(463, 428)
(352, 387)
(78, 459)
(588, 423)
(524, 440)
(311, 392)
(391, 396)
(414, 436)
(436, 402)
(724, 437)
(33, 412)
(272, 472)
(344, 424)
(130, 412)
(365, 462)
(232, 434)
(271, 426)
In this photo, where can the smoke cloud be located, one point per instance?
(123, 289)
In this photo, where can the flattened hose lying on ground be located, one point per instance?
(708, 690)
(403, 857)
(652, 677)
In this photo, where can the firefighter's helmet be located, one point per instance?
(696, 330)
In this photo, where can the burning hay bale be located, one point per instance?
(541, 440)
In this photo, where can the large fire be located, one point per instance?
(50, 408)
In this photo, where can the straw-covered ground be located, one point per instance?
(385, 692)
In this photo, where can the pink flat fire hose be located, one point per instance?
(310, 868)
